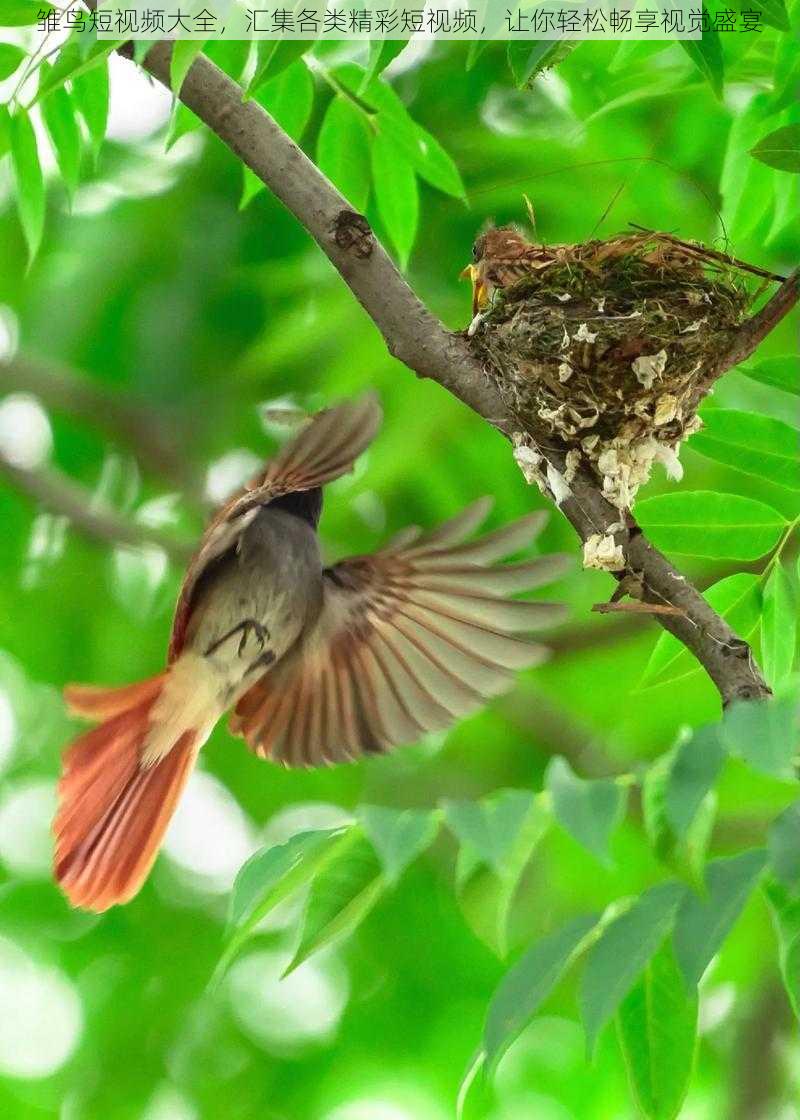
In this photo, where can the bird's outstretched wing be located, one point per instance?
(409, 640)
(323, 450)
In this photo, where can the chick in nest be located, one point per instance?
(603, 347)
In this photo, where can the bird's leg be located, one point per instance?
(261, 632)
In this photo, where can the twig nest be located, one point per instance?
(607, 349)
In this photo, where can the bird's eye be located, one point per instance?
(476, 251)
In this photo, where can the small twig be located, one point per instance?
(62, 496)
(636, 608)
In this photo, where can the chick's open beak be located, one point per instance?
(479, 293)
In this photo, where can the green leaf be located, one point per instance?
(5, 130)
(619, 956)
(528, 57)
(786, 77)
(657, 1029)
(10, 58)
(786, 917)
(781, 373)
(289, 98)
(694, 768)
(708, 523)
(30, 193)
(491, 827)
(426, 155)
(784, 848)
(588, 810)
(499, 833)
(703, 923)
(381, 53)
(475, 50)
(752, 443)
(706, 54)
(251, 186)
(343, 151)
(342, 894)
(778, 627)
(273, 57)
(23, 13)
(780, 149)
(71, 63)
(270, 876)
(526, 986)
(230, 55)
(746, 185)
(59, 118)
(90, 93)
(763, 733)
(737, 598)
(184, 52)
(398, 835)
(423, 151)
(773, 12)
(181, 122)
(396, 194)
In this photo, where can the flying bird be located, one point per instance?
(319, 664)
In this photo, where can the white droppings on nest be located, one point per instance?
(624, 467)
(695, 326)
(564, 372)
(528, 460)
(603, 553)
(562, 297)
(666, 410)
(648, 367)
(573, 461)
(668, 457)
(559, 487)
(583, 334)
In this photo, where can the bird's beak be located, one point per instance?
(479, 294)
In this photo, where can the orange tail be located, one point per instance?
(113, 810)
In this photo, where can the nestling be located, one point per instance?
(319, 664)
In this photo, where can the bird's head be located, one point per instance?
(496, 245)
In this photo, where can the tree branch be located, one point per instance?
(756, 329)
(61, 496)
(146, 432)
(420, 341)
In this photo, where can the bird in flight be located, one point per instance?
(319, 664)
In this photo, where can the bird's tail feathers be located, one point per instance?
(116, 795)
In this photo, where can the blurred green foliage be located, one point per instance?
(158, 288)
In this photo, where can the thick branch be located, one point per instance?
(417, 338)
(756, 329)
(61, 496)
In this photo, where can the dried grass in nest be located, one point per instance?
(604, 350)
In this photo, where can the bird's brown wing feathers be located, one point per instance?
(409, 640)
(324, 450)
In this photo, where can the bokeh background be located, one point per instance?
(162, 296)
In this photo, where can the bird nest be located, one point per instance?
(606, 349)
